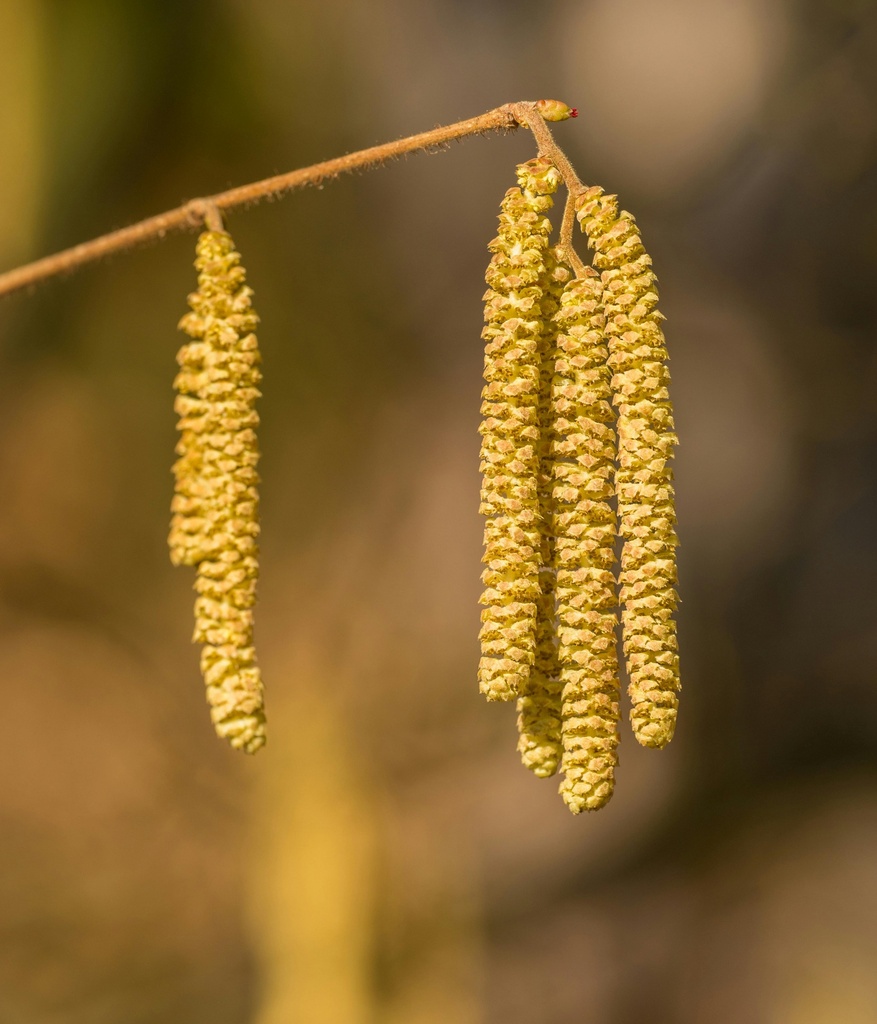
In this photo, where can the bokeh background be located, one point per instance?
(386, 860)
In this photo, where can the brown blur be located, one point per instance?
(386, 859)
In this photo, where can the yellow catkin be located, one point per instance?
(539, 728)
(510, 431)
(215, 506)
(644, 485)
(584, 449)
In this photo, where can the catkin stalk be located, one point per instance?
(215, 506)
(583, 449)
(646, 505)
(510, 433)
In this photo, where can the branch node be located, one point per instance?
(206, 212)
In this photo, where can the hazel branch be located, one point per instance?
(198, 212)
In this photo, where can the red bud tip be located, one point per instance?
(574, 112)
(554, 110)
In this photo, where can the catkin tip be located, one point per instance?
(652, 726)
(586, 792)
(246, 732)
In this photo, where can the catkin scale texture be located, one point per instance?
(513, 334)
(646, 506)
(539, 706)
(583, 450)
(215, 506)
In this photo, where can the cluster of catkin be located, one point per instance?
(214, 524)
(577, 434)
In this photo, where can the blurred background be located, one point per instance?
(386, 860)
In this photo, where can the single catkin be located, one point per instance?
(215, 506)
(583, 448)
(510, 432)
(539, 706)
(646, 506)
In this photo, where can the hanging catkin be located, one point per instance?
(583, 448)
(215, 506)
(539, 726)
(510, 432)
(644, 486)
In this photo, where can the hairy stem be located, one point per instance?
(206, 211)
(565, 243)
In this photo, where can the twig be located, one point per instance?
(210, 215)
(198, 211)
(566, 232)
(528, 114)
